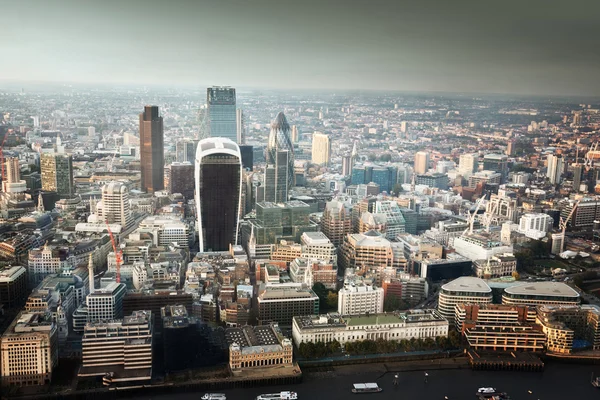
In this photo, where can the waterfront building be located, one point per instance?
(464, 290)
(218, 180)
(359, 296)
(258, 347)
(280, 303)
(118, 350)
(29, 350)
(565, 324)
(152, 158)
(396, 326)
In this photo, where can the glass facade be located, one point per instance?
(222, 120)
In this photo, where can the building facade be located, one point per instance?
(221, 112)
(321, 149)
(152, 157)
(57, 174)
(464, 290)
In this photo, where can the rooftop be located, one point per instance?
(467, 284)
(558, 289)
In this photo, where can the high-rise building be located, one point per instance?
(185, 150)
(218, 177)
(221, 112)
(497, 163)
(57, 174)
(106, 303)
(280, 156)
(555, 168)
(240, 125)
(179, 179)
(359, 297)
(321, 148)
(152, 157)
(468, 164)
(13, 183)
(347, 164)
(29, 350)
(336, 222)
(295, 134)
(421, 162)
(510, 148)
(13, 286)
(114, 207)
(247, 153)
(577, 175)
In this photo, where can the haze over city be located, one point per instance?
(534, 47)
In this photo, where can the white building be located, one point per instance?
(45, 261)
(359, 296)
(421, 162)
(418, 324)
(321, 148)
(534, 294)
(315, 245)
(480, 246)
(466, 289)
(468, 164)
(535, 225)
(106, 304)
(114, 206)
(166, 230)
(556, 166)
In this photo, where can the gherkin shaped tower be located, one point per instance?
(279, 175)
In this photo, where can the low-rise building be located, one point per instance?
(258, 347)
(464, 290)
(359, 296)
(540, 293)
(418, 324)
(280, 303)
(564, 324)
(496, 266)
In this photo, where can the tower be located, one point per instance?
(13, 183)
(218, 178)
(57, 174)
(152, 156)
(115, 207)
(295, 134)
(221, 112)
(421, 162)
(241, 126)
(91, 273)
(321, 148)
(555, 169)
(280, 156)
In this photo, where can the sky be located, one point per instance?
(532, 47)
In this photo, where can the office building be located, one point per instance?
(497, 163)
(586, 212)
(152, 300)
(106, 303)
(295, 134)
(118, 350)
(180, 179)
(565, 325)
(359, 296)
(535, 225)
(221, 112)
(13, 183)
(279, 175)
(57, 174)
(311, 271)
(336, 221)
(555, 168)
(410, 289)
(347, 165)
(280, 303)
(480, 246)
(435, 180)
(540, 293)
(240, 124)
(152, 157)
(484, 177)
(421, 162)
(115, 208)
(13, 286)
(247, 153)
(385, 177)
(218, 180)
(258, 347)
(321, 149)
(496, 266)
(464, 290)
(577, 178)
(29, 350)
(185, 151)
(370, 251)
(468, 164)
(396, 326)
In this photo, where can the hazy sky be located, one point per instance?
(501, 46)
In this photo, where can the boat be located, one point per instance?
(495, 396)
(486, 392)
(214, 396)
(278, 396)
(366, 388)
(595, 381)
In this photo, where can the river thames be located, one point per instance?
(558, 381)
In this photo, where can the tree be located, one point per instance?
(385, 157)
(391, 303)
(398, 189)
(516, 275)
(332, 300)
(372, 157)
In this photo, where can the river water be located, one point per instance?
(557, 382)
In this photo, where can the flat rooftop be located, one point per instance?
(558, 289)
(467, 284)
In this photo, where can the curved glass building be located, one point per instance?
(279, 175)
(218, 178)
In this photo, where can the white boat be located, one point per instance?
(278, 396)
(486, 390)
(214, 396)
(366, 388)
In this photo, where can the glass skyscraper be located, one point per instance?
(221, 113)
(279, 175)
(218, 193)
(152, 150)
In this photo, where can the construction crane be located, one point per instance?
(471, 216)
(118, 254)
(562, 224)
(2, 156)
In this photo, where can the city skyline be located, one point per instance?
(430, 47)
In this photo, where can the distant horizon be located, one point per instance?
(17, 85)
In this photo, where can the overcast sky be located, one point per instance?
(499, 46)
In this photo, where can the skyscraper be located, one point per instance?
(295, 134)
(180, 179)
(241, 126)
(57, 174)
(421, 162)
(221, 112)
(467, 164)
(279, 179)
(577, 175)
(152, 150)
(321, 148)
(13, 183)
(497, 163)
(185, 150)
(347, 165)
(218, 193)
(555, 168)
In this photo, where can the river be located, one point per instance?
(557, 382)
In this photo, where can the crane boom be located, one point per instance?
(563, 225)
(117, 253)
(2, 156)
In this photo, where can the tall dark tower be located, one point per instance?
(152, 150)
(280, 156)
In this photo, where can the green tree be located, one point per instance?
(397, 189)
(391, 303)
(386, 157)
(332, 300)
(372, 157)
